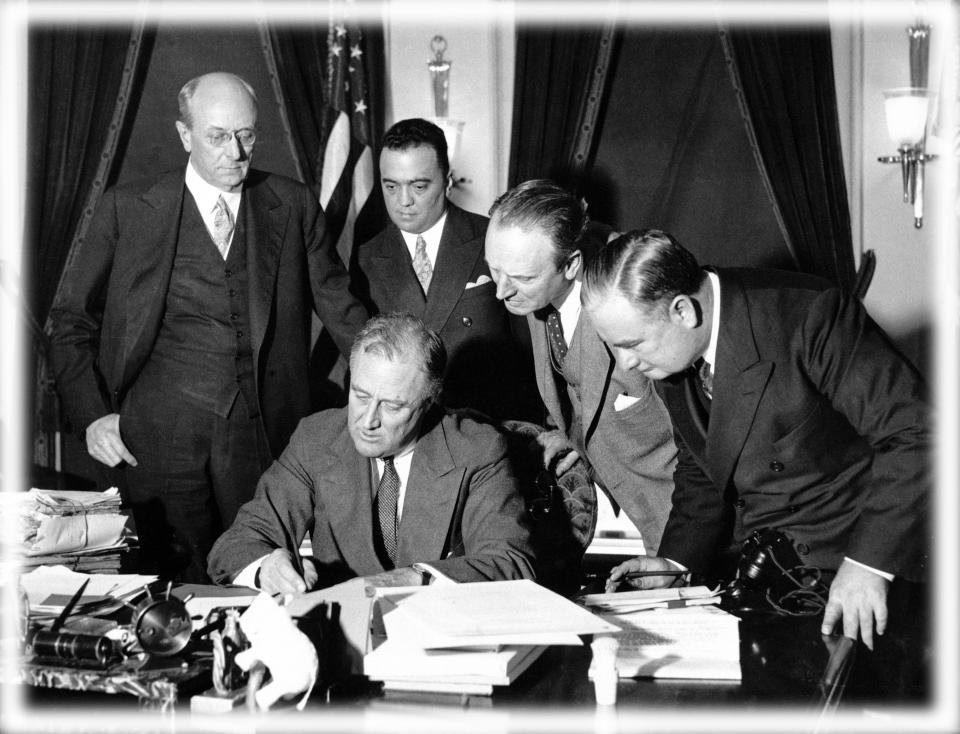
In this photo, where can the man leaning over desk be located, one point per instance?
(388, 482)
(792, 412)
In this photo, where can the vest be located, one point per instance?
(203, 351)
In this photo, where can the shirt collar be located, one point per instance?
(430, 236)
(710, 356)
(206, 195)
(569, 311)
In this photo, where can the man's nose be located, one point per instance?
(626, 360)
(504, 287)
(235, 148)
(371, 415)
(406, 197)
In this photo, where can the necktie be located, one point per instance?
(222, 226)
(558, 345)
(706, 377)
(421, 264)
(388, 492)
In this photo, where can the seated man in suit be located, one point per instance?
(535, 248)
(429, 262)
(387, 482)
(792, 412)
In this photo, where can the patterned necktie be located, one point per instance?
(222, 226)
(421, 264)
(558, 345)
(706, 377)
(388, 492)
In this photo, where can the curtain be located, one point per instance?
(560, 90)
(82, 82)
(784, 79)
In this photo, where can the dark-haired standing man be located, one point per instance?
(429, 262)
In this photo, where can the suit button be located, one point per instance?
(803, 549)
(740, 503)
(232, 292)
(776, 466)
(466, 321)
(234, 317)
(228, 272)
(239, 334)
(793, 508)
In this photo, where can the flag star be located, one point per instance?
(335, 50)
(356, 52)
(341, 29)
(351, 69)
(360, 107)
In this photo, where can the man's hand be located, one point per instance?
(642, 563)
(278, 575)
(858, 597)
(104, 443)
(557, 447)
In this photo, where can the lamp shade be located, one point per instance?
(906, 111)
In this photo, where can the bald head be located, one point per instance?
(217, 126)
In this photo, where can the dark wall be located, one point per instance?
(180, 53)
(674, 154)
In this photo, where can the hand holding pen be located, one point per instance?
(644, 572)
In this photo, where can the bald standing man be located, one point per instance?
(181, 336)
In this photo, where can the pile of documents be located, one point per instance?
(468, 638)
(85, 531)
(50, 588)
(672, 633)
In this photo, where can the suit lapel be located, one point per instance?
(544, 370)
(391, 263)
(349, 503)
(595, 361)
(147, 285)
(456, 260)
(264, 225)
(740, 378)
(430, 500)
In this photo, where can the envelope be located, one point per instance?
(482, 280)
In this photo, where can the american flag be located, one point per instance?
(348, 170)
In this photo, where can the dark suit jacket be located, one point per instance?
(110, 310)
(461, 509)
(489, 367)
(817, 427)
(631, 451)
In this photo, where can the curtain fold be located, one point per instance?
(83, 86)
(784, 78)
(560, 91)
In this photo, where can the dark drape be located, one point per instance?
(81, 84)
(300, 56)
(784, 77)
(560, 86)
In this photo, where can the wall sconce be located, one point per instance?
(907, 111)
(439, 68)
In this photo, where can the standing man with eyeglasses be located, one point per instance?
(181, 337)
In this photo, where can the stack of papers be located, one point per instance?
(468, 638)
(622, 602)
(86, 531)
(676, 638)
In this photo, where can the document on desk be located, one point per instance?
(700, 642)
(49, 588)
(643, 599)
(490, 613)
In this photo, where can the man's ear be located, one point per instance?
(686, 311)
(184, 133)
(573, 265)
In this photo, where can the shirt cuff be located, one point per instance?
(248, 575)
(884, 574)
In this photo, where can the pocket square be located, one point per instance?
(624, 401)
(480, 281)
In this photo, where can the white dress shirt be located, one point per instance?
(206, 195)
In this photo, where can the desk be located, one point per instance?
(782, 660)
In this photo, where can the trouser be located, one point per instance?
(194, 471)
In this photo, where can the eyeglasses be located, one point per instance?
(246, 137)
